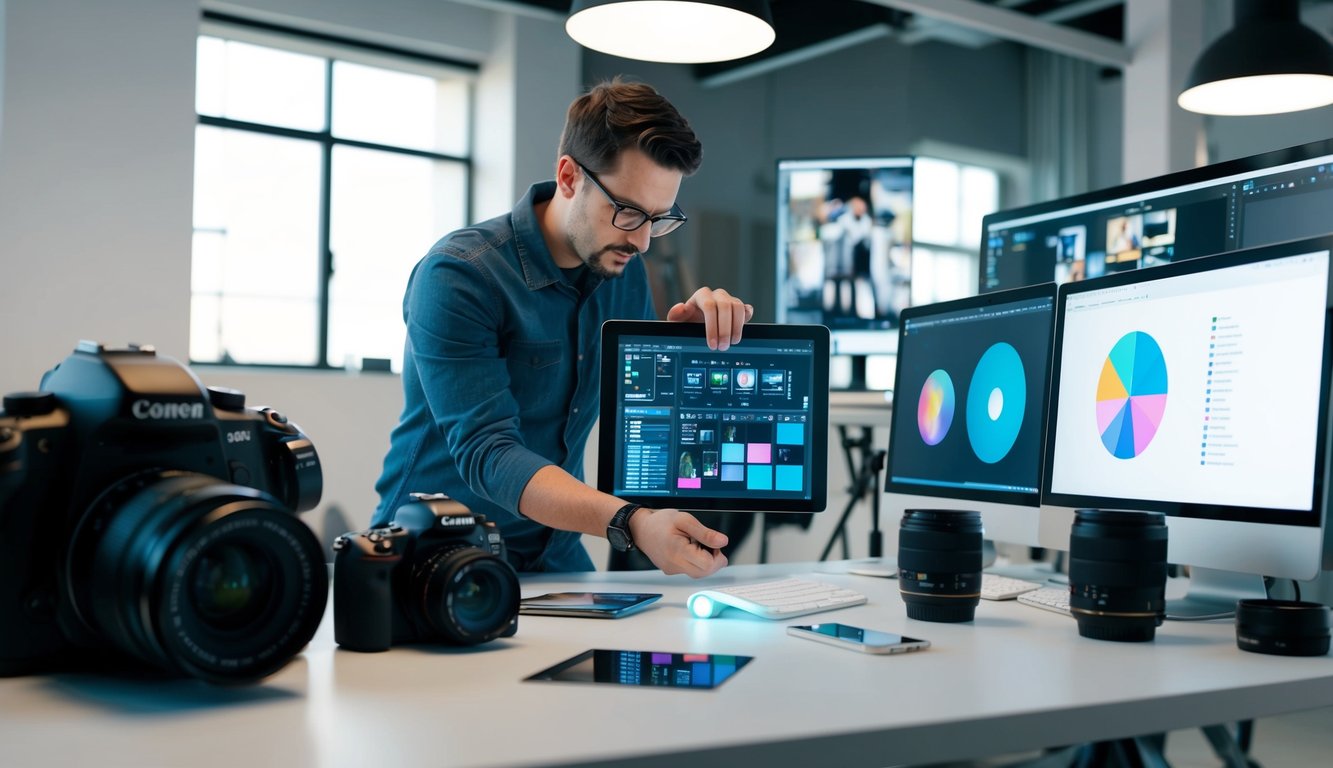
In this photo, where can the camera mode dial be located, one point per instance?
(29, 403)
(226, 399)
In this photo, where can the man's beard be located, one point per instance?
(594, 260)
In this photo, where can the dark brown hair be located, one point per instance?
(617, 115)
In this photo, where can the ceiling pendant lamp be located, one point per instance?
(1268, 63)
(672, 31)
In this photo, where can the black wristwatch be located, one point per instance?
(617, 531)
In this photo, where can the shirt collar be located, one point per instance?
(539, 269)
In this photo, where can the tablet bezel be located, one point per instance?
(614, 330)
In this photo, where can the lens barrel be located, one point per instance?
(465, 594)
(939, 564)
(200, 577)
(1117, 574)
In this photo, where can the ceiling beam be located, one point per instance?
(1018, 27)
(780, 60)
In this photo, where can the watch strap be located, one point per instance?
(618, 529)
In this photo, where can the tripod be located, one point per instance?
(865, 478)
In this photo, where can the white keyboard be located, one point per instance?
(780, 599)
(995, 587)
(1048, 598)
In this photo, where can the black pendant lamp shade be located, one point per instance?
(674, 31)
(1268, 63)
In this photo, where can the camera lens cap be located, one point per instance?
(1282, 627)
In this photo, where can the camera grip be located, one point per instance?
(363, 599)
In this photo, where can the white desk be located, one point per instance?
(1015, 679)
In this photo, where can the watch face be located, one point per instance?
(618, 539)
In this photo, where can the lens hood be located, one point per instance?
(1282, 627)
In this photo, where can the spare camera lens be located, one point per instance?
(199, 576)
(466, 594)
(939, 564)
(1117, 574)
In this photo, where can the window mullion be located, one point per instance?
(326, 217)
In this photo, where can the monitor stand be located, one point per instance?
(1213, 592)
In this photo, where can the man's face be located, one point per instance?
(635, 180)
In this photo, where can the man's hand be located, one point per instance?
(677, 542)
(722, 314)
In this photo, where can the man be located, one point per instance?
(500, 370)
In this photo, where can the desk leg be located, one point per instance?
(1230, 750)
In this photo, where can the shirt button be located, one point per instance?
(576, 410)
(580, 357)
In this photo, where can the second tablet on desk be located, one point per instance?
(596, 605)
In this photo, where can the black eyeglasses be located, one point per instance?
(631, 217)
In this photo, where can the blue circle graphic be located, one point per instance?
(996, 399)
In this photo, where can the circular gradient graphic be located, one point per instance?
(996, 399)
(1131, 395)
(934, 411)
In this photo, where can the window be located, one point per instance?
(951, 199)
(321, 178)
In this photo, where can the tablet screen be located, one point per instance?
(685, 426)
(673, 670)
(608, 605)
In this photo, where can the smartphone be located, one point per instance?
(857, 639)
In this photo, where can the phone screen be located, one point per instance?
(647, 668)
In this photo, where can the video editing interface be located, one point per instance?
(976, 378)
(700, 423)
(1068, 244)
(1197, 389)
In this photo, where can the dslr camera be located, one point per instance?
(148, 518)
(436, 574)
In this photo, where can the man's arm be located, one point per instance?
(674, 540)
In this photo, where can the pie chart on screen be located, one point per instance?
(1131, 395)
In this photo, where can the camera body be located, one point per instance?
(122, 456)
(436, 573)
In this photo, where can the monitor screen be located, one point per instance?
(688, 427)
(1267, 198)
(844, 248)
(1200, 390)
(971, 392)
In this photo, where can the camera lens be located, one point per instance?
(1117, 574)
(939, 564)
(198, 576)
(233, 585)
(466, 595)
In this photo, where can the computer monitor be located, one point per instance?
(1267, 198)
(970, 410)
(1200, 390)
(688, 427)
(844, 248)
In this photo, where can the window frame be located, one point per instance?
(332, 49)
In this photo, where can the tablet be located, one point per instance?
(647, 668)
(597, 605)
(688, 427)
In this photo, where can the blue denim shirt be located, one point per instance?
(500, 376)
